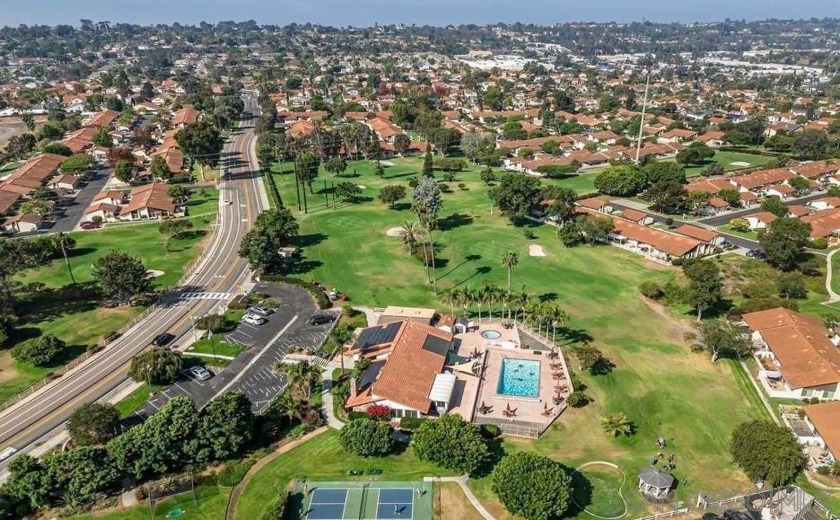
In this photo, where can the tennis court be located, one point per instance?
(365, 500)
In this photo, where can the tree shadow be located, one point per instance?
(581, 493)
(401, 175)
(311, 239)
(495, 453)
(574, 335)
(548, 297)
(468, 258)
(453, 221)
(401, 206)
(302, 266)
(484, 269)
(45, 303)
(80, 251)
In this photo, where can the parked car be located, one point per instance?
(200, 373)
(88, 225)
(253, 319)
(321, 318)
(260, 309)
(161, 340)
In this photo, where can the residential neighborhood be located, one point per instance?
(265, 270)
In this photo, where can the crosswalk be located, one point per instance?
(201, 295)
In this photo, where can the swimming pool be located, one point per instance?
(519, 377)
(491, 334)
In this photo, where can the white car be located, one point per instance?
(200, 373)
(253, 319)
(226, 202)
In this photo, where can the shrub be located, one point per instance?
(276, 509)
(233, 474)
(215, 322)
(490, 431)
(676, 262)
(300, 430)
(379, 412)
(411, 423)
(452, 443)
(353, 416)
(651, 290)
(462, 186)
(38, 351)
(529, 234)
(819, 243)
(739, 224)
(577, 399)
(823, 470)
(366, 438)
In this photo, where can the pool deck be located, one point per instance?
(471, 393)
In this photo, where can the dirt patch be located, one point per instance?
(676, 329)
(535, 250)
(395, 232)
(7, 367)
(8, 128)
(454, 504)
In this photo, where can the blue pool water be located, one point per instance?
(519, 377)
(491, 334)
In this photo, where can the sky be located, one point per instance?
(433, 12)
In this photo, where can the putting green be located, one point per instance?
(598, 487)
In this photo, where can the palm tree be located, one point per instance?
(287, 405)
(510, 260)
(492, 294)
(302, 376)
(616, 424)
(556, 316)
(65, 243)
(410, 231)
(159, 365)
(477, 296)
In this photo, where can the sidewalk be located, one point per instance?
(327, 396)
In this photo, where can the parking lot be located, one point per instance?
(286, 330)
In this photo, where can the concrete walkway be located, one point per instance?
(369, 313)
(327, 396)
(462, 482)
(832, 296)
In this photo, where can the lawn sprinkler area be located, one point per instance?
(598, 486)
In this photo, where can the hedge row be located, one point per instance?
(276, 509)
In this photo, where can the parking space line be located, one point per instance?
(154, 405)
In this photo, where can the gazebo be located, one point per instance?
(655, 483)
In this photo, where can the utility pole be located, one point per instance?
(642, 122)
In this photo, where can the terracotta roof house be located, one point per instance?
(824, 203)
(817, 169)
(797, 354)
(634, 215)
(760, 220)
(656, 244)
(186, 116)
(149, 201)
(599, 204)
(824, 223)
(23, 223)
(34, 172)
(711, 185)
(103, 118)
(704, 235)
(823, 420)
(407, 373)
(174, 158)
(761, 179)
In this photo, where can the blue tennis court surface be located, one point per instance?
(327, 504)
(395, 503)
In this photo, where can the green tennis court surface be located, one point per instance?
(364, 500)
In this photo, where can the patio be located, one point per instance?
(515, 414)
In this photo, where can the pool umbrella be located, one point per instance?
(507, 406)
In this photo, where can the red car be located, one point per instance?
(88, 225)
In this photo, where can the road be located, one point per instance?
(720, 220)
(220, 270)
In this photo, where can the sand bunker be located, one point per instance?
(395, 232)
(535, 250)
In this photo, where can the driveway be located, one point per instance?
(74, 209)
(252, 372)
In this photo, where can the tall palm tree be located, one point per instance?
(464, 298)
(302, 376)
(616, 424)
(477, 296)
(510, 260)
(557, 317)
(492, 295)
(410, 232)
(287, 405)
(66, 243)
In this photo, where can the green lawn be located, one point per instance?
(602, 488)
(730, 161)
(835, 272)
(751, 235)
(47, 303)
(323, 458)
(215, 346)
(136, 399)
(655, 378)
(203, 200)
